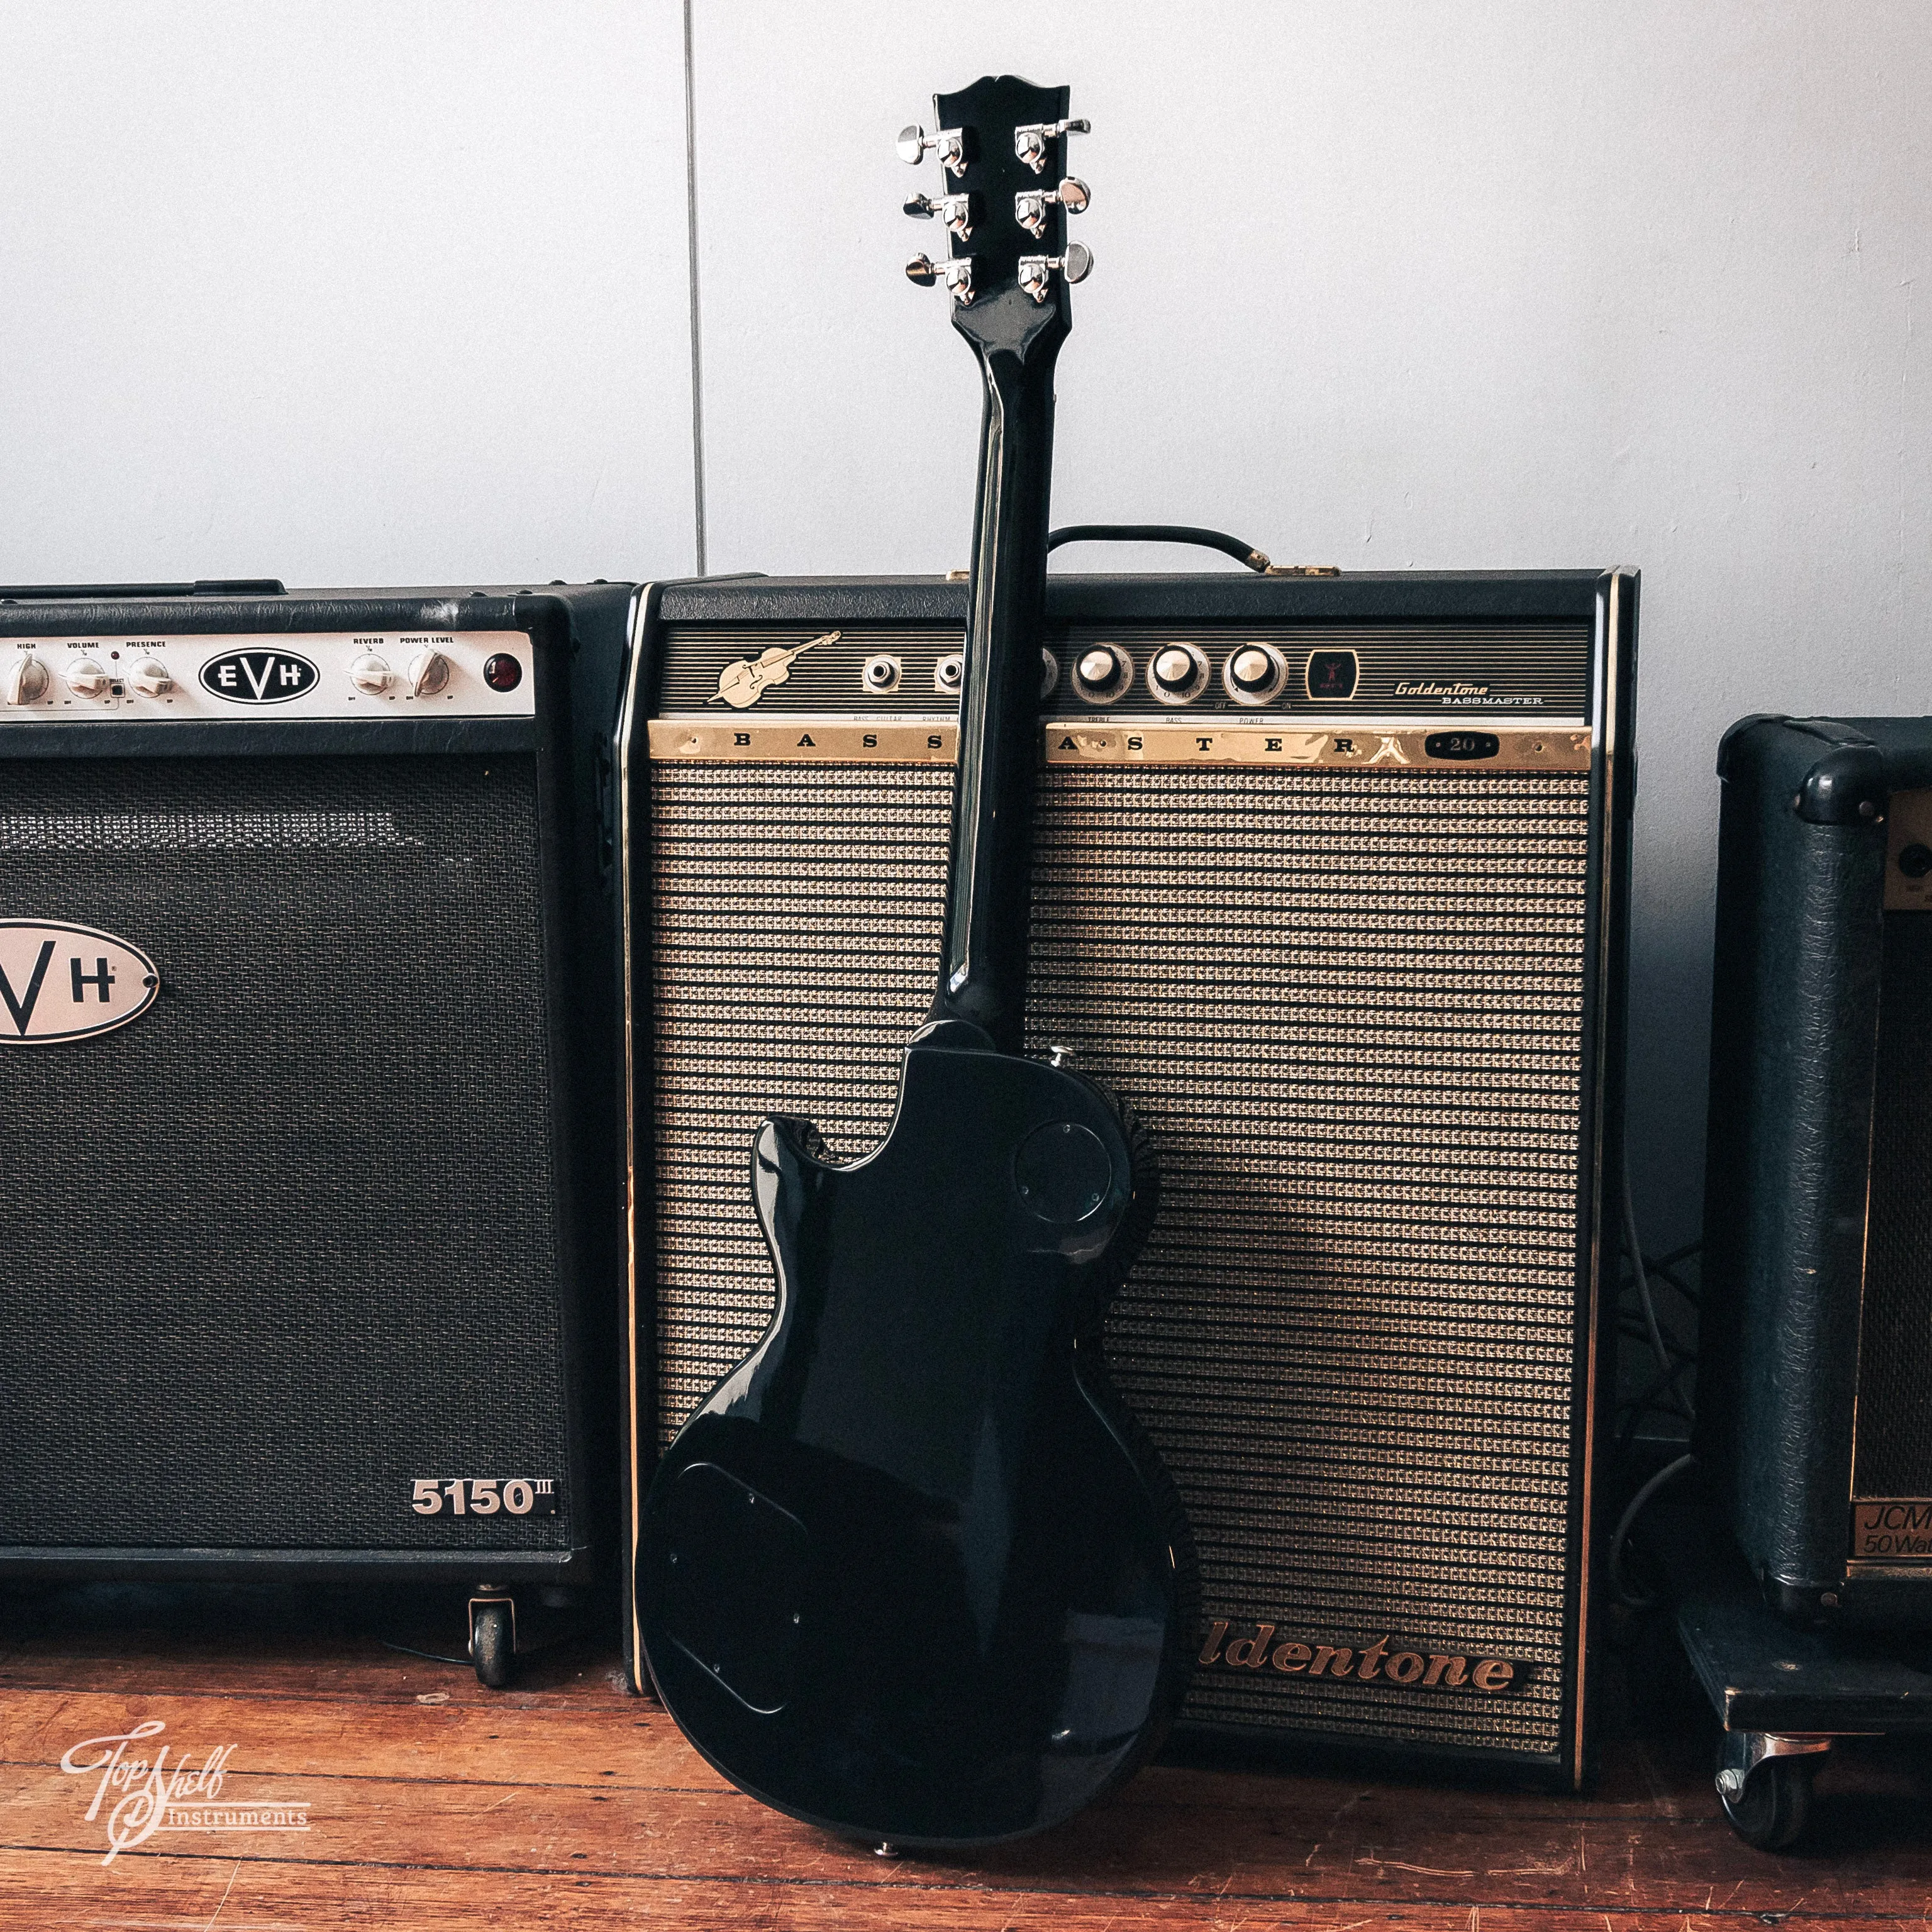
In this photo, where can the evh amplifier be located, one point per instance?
(1815, 1352)
(307, 1045)
(1329, 885)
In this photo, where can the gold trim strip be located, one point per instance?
(805, 740)
(1078, 743)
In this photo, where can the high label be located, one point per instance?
(258, 677)
(65, 982)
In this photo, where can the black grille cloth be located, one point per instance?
(287, 1242)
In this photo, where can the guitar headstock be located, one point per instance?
(1004, 197)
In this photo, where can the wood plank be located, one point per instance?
(565, 1802)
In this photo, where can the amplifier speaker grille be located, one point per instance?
(1350, 1004)
(285, 1242)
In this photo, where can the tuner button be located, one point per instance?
(150, 678)
(370, 674)
(26, 680)
(428, 673)
(914, 144)
(1030, 142)
(1254, 673)
(1036, 272)
(1101, 673)
(1072, 196)
(85, 678)
(957, 273)
(1177, 672)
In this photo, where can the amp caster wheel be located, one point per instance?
(1764, 1784)
(493, 1643)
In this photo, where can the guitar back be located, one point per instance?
(910, 1570)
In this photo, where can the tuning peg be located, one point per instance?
(955, 210)
(1029, 207)
(915, 144)
(956, 273)
(1076, 264)
(1030, 142)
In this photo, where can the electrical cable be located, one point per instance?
(1639, 1599)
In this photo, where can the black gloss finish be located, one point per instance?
(911, 1572)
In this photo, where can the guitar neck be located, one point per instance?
(1005, 196)
(983, 976)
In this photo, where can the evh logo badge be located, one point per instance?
(66, 982)
(259, 677)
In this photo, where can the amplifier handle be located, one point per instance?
(1241, 551)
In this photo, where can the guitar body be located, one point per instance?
(910, 1572)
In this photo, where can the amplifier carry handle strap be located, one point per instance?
(1240, 550)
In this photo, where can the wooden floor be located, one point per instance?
(431, 1801)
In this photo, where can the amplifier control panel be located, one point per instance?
(288, 674)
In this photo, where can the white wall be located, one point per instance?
(375, 291)
(397, 292)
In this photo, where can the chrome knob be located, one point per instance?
(85, 678)
(428, 673)
(26, 680)
(370, 674)
(1177, 672)
(1049, 672)
(1254, 673)
(150, 678)
(1101, 673)
(1029, 207)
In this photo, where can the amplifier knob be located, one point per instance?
(1101, 673)
(429, 672)
(26, 680)
(1177, 673)
(150, 678)
(1049, 672)
(86, 679)
(1255, 674)
(370, 674)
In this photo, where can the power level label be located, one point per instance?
(484, 1495)
(1885, 1528)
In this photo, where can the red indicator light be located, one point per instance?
(502, 672)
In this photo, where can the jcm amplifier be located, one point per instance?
(1329, 887)
(308, 960)
(1817, 1344)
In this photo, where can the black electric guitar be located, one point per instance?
(911, 1572)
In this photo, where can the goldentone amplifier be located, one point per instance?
(1329, 879)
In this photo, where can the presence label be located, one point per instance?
(60, 983)
(1885, 1528)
